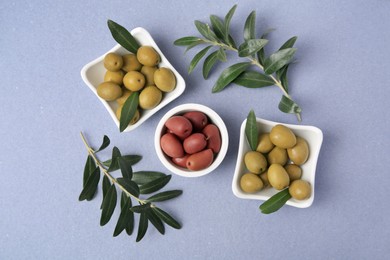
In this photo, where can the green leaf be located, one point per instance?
(222, 54)
(89, 167)
(123, 37)
(165, 195)
(128, 111)
(289, 43)
(142, 227)
(249, 27)
(155, 185)
(127, 171)
(106, 142)
(130, 217)
(185, 41)
(132, 159)
(250, 47)
(229, 74)
(129, 185)
(90, 187)
(164, 216)
(278, 59)
(227, 20)
(141, 208)
(106, 184)
(261, 54)
(287, 105)
(156, 221)
(123, 218)
(209, 62)
(231, 42)
(192, 45)
(205, 30)
(109, 203)
(142, 177)
(253, 79)
(275, 202)
(251, 131)
(114, 159)
(282, 76)
(218, 27)
(197, 58)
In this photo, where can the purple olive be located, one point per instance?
(194, 143)
(201, 160)
(180, 126)
(198, 120)
(213, 137)
(171, 146)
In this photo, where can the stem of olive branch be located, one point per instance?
(256, 63)
(92, 153)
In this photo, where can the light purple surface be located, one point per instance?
(341, 81)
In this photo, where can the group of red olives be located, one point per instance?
(191, 141)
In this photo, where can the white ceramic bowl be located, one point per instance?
(213, 117)
(93, 75)
(313, 136)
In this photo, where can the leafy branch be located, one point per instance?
(132, 185)
(273, 68)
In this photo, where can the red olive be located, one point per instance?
(180, 126)
(194, 143)
(201, 160)
(213, 137)
(181, 161)
(171, 145)
(198, 119)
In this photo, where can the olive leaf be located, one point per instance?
(90, 186)
(228, 75)
(140, 208)
(209, 62)
(287, 105)
(164, 216)
(128, 110)
(217, 27)
(289, 43)
(106, 184)
(197, 58)
(129, 185)
(275, 202)
(155, 220)
(253, 79)
(132, 159)
(165, 195)
(89, 167)
(185, 41)
(249, 27)
(123, 217)
(142, 227)
(126, 169)
(205, 30)
(154, 185)
(251, 130)
(142, 177)
(123, 37)
(227, 20)
(114, 158)
(250, 47)
(108, 206)
(261, 54)
(282, 76)
(194, 44)
(105, 144)
(278, 59)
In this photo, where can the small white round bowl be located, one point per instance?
(213, 117)
(313, 136)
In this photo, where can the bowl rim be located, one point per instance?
(137, 32)
(214, 117)
(314, 153)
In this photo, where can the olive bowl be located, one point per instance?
(93, 74)
(313, 136)
(213, 118)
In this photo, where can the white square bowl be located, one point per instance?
(93, 74)
(313, 136)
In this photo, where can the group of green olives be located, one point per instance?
(135, 72)
(276, 163)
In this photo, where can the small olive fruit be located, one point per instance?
(134, 80)
(278, 177)
(109, 91)
(264, 178)
(150, 97)
(251, 183)
(255, 162)
(130, 62)
(282, 136)
(265, 145)
(133, 120)
(114, 76)
(300, 189)
(113, 61)
(165, 79)
(125, 94)
(148, 56)
(293, 171)
(300, 152)
(277, 155)
(149, 74)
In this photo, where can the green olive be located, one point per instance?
(130, 63)
(148, 56)
(264, 178)
(300, 189)
(293, 171)
(278, 177)
(300, 152)
(125, 94)
(282, 136)
(113, 61)
(150, 97)
(255, 162)
(165, 79)
(251, 183)
(265, 145)
(109, 91)
(114, 76)
(277, 155)
(149, 74)
(134, 80)
(135, 117)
